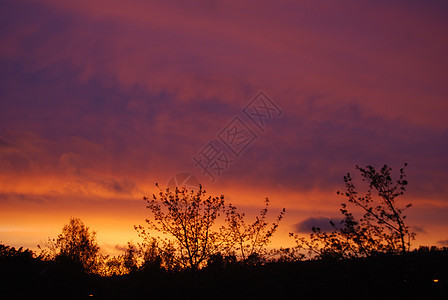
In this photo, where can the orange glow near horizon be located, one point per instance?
(114, 218)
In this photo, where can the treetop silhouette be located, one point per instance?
(381, 228)
(190, 235)
(76, 244)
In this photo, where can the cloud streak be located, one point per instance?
(323, 223)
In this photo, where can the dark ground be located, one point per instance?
(412, 276)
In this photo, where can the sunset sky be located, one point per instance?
(100, 100)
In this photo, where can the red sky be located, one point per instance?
(99, 100)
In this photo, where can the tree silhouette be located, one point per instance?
(187, 223)
(76, 244)
(250, 240)
(190, 236)
(153, 258)
(130, 258)
(381, 228)
(7, 252)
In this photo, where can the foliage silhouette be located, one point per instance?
(191, 237)
(8, 252)
(130, 258)
(76, 244)
(380, 229)
(153, 258)
(188, 218)
(250, 240)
